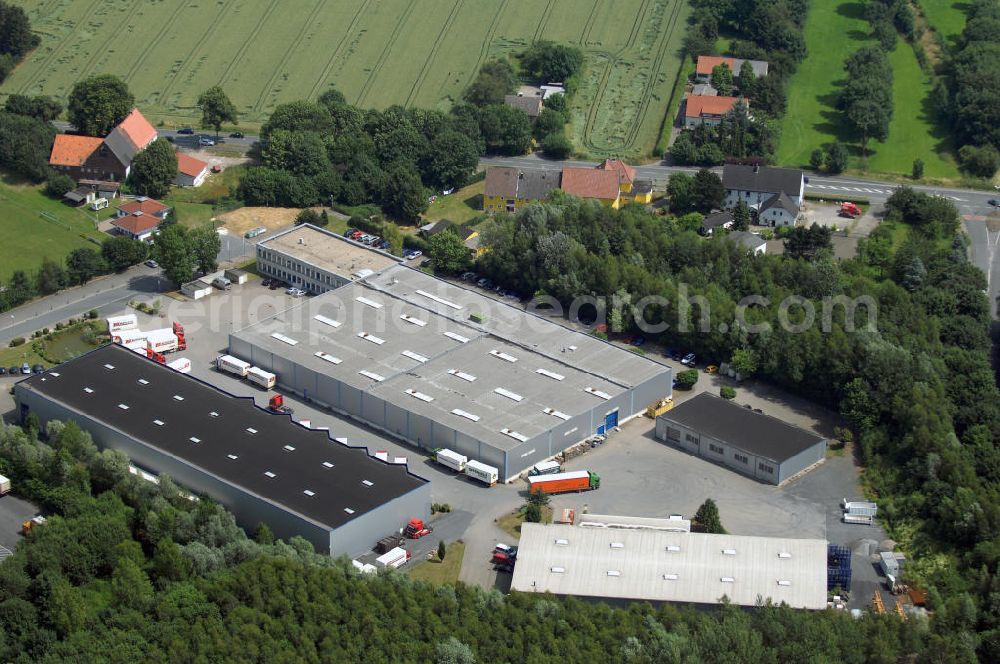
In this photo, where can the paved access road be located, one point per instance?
(968, 201)
(190, 141)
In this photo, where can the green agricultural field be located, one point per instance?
(378, 52)
(34, 226)
(947, 17)
(813, 120)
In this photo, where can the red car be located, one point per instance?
(216, 169)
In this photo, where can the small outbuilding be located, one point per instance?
(760, 446)
(191, 172)
(237, 276)
(196, 289)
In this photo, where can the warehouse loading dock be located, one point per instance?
(261, 466)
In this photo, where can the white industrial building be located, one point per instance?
(624, 558)
(261, 465)
(442, 366)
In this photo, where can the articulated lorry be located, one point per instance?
(488, 475)
(859, 508)
(261, 378)
(395, 558)
(450, 459)
(165, 341)
(577, 480)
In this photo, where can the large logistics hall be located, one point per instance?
(654, 560)
(442, 366)
(262, 466)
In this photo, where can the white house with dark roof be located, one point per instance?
(773, 194)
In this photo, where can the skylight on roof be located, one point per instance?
(614, 572)
(327, 464)
(728, 579)
(414, 321)
(462, 413)
(617, 545)
(555, 413)
(513, 434)
(729, 552)
(371, 374)
(562, 542)
(194, 439)
(513, 396)
(784, 554)
(673, 548)
(439, 300)
(461, 374)
(327, 321)
(309, 493)
(557, 570)
(784, 582)
(214, 414)
(368, 303)
(123, 406)
(419, 395)
(349, 510)
(414, 356)
(597, 393)
(88, 390)
(232, 456)
(270, 474)
(288, 448)
(158, 423)
(143, 381)
(329, 358)
(371, 337)
(251, 430)
(503, 356)
(282, 338)
(367, 483)
(109, 366)
(457, 337)
(53, 373)
(551, 374)
(178, 397)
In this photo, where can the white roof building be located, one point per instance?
(657, 563)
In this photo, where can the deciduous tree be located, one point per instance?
(216, 109)
(706, 519)
(154, 169)
(98, 103)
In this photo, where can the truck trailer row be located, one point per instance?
(238, 367)
(460, 463)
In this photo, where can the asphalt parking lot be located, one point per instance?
(13, 512)
(640, 476)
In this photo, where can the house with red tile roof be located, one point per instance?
(191, 172)
(106, 159)
(139, 218)
(597, 183)
(699, 110)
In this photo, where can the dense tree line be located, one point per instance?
(329, 151)
(866, 98)
(16, 37)
(888, 19)
(738, 136)
(917, 386)
(25, 144)
(970, 103)
(126, 570)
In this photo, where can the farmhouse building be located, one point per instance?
(772, 194)
(706, 63)
(708, 110)
(753, 444)
(191, 172)
(529, 104)
(139, 218)
(510, 189)
(723, 220)
(749, 241)
(107, 159)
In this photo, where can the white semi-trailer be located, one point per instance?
(181, 364)
(262, 378)
(232, 365)
(450, 459)
(477, 470)
(124, 323)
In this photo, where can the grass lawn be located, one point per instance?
(947, 17)
(813, 120)
(460, 206)
(34, 226)
(215, 187)
(192, 215)
(441, 571)
(511, 523)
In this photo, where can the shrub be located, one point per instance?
(92, 314)
(980, 161)
(727, 392)
(58, 184)
(59, 326)
(16, 341)
(686, 379)
(45, 330)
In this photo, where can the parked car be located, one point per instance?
(384, 245)
(205, 141)
(25, 369)
(38, 368)
(274, 285)
(236, 134)
(711, 369)
(484, 282)
(448, 192)
(410, 254)
(265, 282)
(152, 263)
(994, 202)
(426, 262)
(350, 232)
(295, 292)
(216, 169)
(13, 370)
(689, 360)
(638, 341)
(469, 276)
(356, 235)
(3, 371)
(186, 131)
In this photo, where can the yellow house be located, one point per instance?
(639, 191)
(510, 189)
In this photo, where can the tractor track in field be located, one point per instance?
(491, 34)
(647, 95)
(602, 84)
(435, 47)
(156, 42)
(57, 51)
(377, 67)
(194, 51)
(97, 52)
(589, 25)
(328, 69)
(543, 22)
(46, 8)
(251, 38)
(286, 57)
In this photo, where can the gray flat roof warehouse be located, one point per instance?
(439, 365)
(261, 465)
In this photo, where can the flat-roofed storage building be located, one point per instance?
(441, 366)
(262, 466)
(619, 558)
(761, 446)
